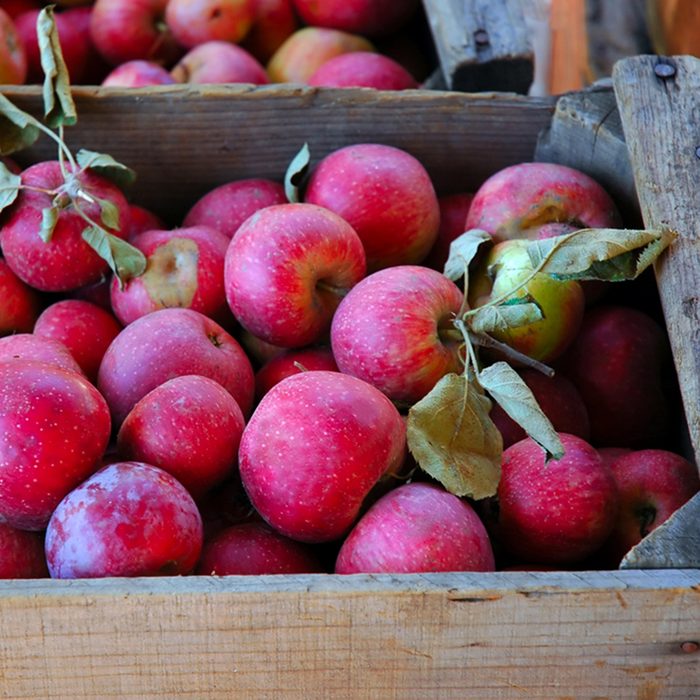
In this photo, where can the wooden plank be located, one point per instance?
(482, 44)
(555, 635)
(659, 103)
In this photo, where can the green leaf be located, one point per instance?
(453, 438)
(109, 213)
(18, 129)
(507, 388)
(462, 252)
(9, 186)
(517, 312)
(49, 219)
(124, 260)
(608, 254)
(296, 172)
(106, 166)
(59, 108)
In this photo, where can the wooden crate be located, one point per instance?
(615, 634)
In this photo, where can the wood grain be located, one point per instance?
(554, 636)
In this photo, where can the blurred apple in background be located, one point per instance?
(363, 69)
(274, 22)
(138, 73)
(195, 22)
(13, 58)
(453, 213)
(19, 303)
(219, 62)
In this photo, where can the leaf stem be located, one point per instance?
(486, 341)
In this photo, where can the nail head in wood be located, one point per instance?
(664, 70)
(481, 37)
(690, 647)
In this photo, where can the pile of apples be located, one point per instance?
(238, 404)
(135, 43)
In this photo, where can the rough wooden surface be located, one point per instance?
(553, 636)
(659, 104)
(482, 44)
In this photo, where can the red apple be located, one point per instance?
(291, 362)
(128, 519)
(19, 303)
(255, 549)
(316, 445)
(195, 22)
(190, 426)
(138, 73)
(95, 68)
(142, 220)
(363, 69)
(610, 454)
(13, 59)
(226, 207)
(274, 22)
(224, 506)
(166, 344)
(185, 269)
(386, 195)
(394, 330)
(516, 201)
(257, 350)
(44, 265)
(219, 62)
(85, 329)
(14, 8)
(21, 553)
(453, 212)
(96, 293)
(11, 165)
(54, 429)
(417, 528)
(287, 268)
(27, 346)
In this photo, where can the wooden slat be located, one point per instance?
(485, 636)
(659, 103)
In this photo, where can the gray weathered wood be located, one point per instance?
(482, 44)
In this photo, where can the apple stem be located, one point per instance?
(336, 291)
(486, 341)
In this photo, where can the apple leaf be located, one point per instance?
(507, 388)
(109, 213)
(607, 254)
(106, 166)
(49, 219)
(453, 438)
(18, 129)
(124, 259)
(296, 172)
(462, 252)
(9, 186)
(501, 317)
(59, 108)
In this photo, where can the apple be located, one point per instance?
(416, 528)
(185, 268)
(127, 519)
(517, 200)
(19, 303)
(386, 195)
(559, 400)
(314, 448)
(227, 206)
(96, 293)
(142, 220)
(610, 454)
(273, 23)
(296, 60)
(363, 69)
(28, 346)
(85, 329)
(219, 62)
(286, 270)
(11, 165)
(507, 267)
(257, 350)
(616, 363)
(453, 212)
(138, 73)
(54, 429)
(21, 554)
(225, 505)
(127, 30)
(95, 67)
(14, 8)
(43, 265)
(370, 17)
(255, 549)
(195, 22)
(13, 58)
(291, 362)
(394, 330)
(190, 426)
(556, 511)
(166, 344)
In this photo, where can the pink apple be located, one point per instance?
(316, 445)
(54, 429)
(21, 553)
(274, 22)
(417, 528)
(138, 73)
(128, 519)
(394, 330)
(166, 344)
(363, 69)
(286, 270)
(255, 549)
(517, 200)
(219, 62)
(19, 303)
(195, 22)
(453, 212)
(28, 346)
(85, 329)
(185, 269)
(227, 206)
(386, 195)
(13, 58)
(291, 362)
(190, 426)
(558, 511)
(43, 265)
